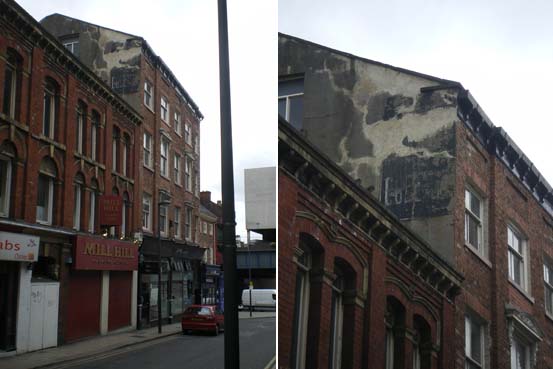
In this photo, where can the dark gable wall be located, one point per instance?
(374, 121)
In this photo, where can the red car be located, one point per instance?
(203, 318)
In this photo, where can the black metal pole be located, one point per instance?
(232, 346)
(250, 274)
(159, 266)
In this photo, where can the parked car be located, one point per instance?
(261, 299)
(203, 318)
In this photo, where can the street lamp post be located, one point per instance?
(161, 202)
(232, 346)
(250, 272)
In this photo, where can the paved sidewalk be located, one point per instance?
(49, 358)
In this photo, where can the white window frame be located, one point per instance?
(177, 122)
(123, 227)
(14, 68)
(187, 133)
(302, 307)
(92, 214)
(148, 95)
(78, 190)
(147, 215)
(114, 152)
(521, 255)
(163, 220)
(188, 223)
(147, 147)
(50, 97)
(94, 128)
(5, 187)
(164, 111)
(479, 219)
(176, 223)
(470, 361)
(164, 156)
(548, 287)
(187, 174)
(338, 324)
(210, 229)
(516, 344)
(125, 154)
(81, 125)
(176, 168)
(70, 45)
(49, 200)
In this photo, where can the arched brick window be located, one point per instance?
(50, 108)
(12, 84)
(45, 191)
(395, 333)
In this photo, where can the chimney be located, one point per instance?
(219, 203)
(205, 196)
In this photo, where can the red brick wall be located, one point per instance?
(364, 328)
(152, 180)
(487, 289)
(25, 133)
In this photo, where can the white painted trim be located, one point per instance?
(134, 297)
(104, 303)
(23, 309)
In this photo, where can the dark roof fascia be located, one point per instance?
(498, 142)
(39, 36)
(159, 63)
(380, 64)
(294, 139)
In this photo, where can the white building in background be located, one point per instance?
(260, 198)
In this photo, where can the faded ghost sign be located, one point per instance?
(415, 186)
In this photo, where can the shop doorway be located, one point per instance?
(8, 311)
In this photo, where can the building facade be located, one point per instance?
(357, 289)
(168, 153)
(425, 148)
(65, 272)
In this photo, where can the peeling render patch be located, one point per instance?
(362, 115)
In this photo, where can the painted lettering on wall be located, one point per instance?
(415, 186)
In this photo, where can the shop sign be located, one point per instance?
(93, 253)
(18, 247)
(111, 210)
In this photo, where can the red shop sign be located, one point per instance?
(111, 210)
(93, 253)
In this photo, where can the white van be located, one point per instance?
(261, 299)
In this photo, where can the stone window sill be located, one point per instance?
(523, 292)
(480, 256)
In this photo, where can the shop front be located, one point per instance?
(17, 252)
(210, 284)
(180, 280)
(100, 287)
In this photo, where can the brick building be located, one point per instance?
(60, 278)
(425, 148)
(211, 271)
(216, 209)
(357, 289)
(168, 153)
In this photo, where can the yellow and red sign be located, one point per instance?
(110, 210)
(94, 253)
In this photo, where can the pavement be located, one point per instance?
(99, 345)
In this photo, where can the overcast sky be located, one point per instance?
(502, 51)
(185, 34)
